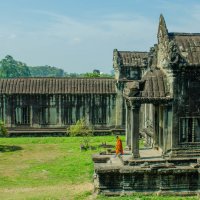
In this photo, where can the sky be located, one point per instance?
(80, 35)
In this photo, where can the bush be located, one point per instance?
(83, 129)
(3, 129)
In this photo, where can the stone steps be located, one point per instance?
(186, 153)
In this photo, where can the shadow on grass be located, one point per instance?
(6, 148)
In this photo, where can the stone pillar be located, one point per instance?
(119, 104)
(126, 125)
(161, 127)
(112, 110)
(165, 133)
(4, 110)
(8, 111)
(156, 126)
(128, 128)
(167, 121)
(108, 109)
(59, 113)
(31, 114)
(135, 108)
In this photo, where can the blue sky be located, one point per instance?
(80, 35)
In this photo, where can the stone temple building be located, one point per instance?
(49, 105)
(161, 90)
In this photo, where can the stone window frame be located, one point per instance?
(192, 138)
(22, 110)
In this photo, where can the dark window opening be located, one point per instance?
(190, 129)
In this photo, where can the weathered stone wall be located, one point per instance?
(58, 110)
(172, 177)
(186, 115)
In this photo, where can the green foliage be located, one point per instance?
(46, 71)
(96, 75)
(3, 130)
(91, 75)
(81, 128)
(88, 75)
(10, 68)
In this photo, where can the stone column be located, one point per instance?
(165, 133)
(167, 128)
(119, 104)
(8, 111)
(31, 114)
(156, 126)
(128, 131)
(59, 113)
(4, 110)
(108, 110)
(160, 127)
(135, 108)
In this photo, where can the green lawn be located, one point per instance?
(50, 168)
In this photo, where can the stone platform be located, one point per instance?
(151, 173)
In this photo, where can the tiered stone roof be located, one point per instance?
(152, 88)
(57, 86)
(189, 46)
(154, 84)
(133, 58)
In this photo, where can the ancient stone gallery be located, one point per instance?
(161, 90)
(51, 104)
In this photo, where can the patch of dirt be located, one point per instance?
(75, 188)
(64, 192)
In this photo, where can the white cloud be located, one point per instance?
(81, 45)
(113, 28)
(12, 36)
(76, 40)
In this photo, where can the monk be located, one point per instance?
(119, 148)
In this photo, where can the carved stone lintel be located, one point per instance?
(132, 89)
(135, 105)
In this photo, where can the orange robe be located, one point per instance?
(119, 148)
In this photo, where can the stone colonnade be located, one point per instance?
(162, 128)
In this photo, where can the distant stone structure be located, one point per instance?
(45, 105)
(161, 89)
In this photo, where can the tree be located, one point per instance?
(10, 68)
(91, 75)
(83, 129)
(96, 74)
(23, 70)
(3, 129)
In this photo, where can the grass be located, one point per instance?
(46, 168)
(50, 168)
